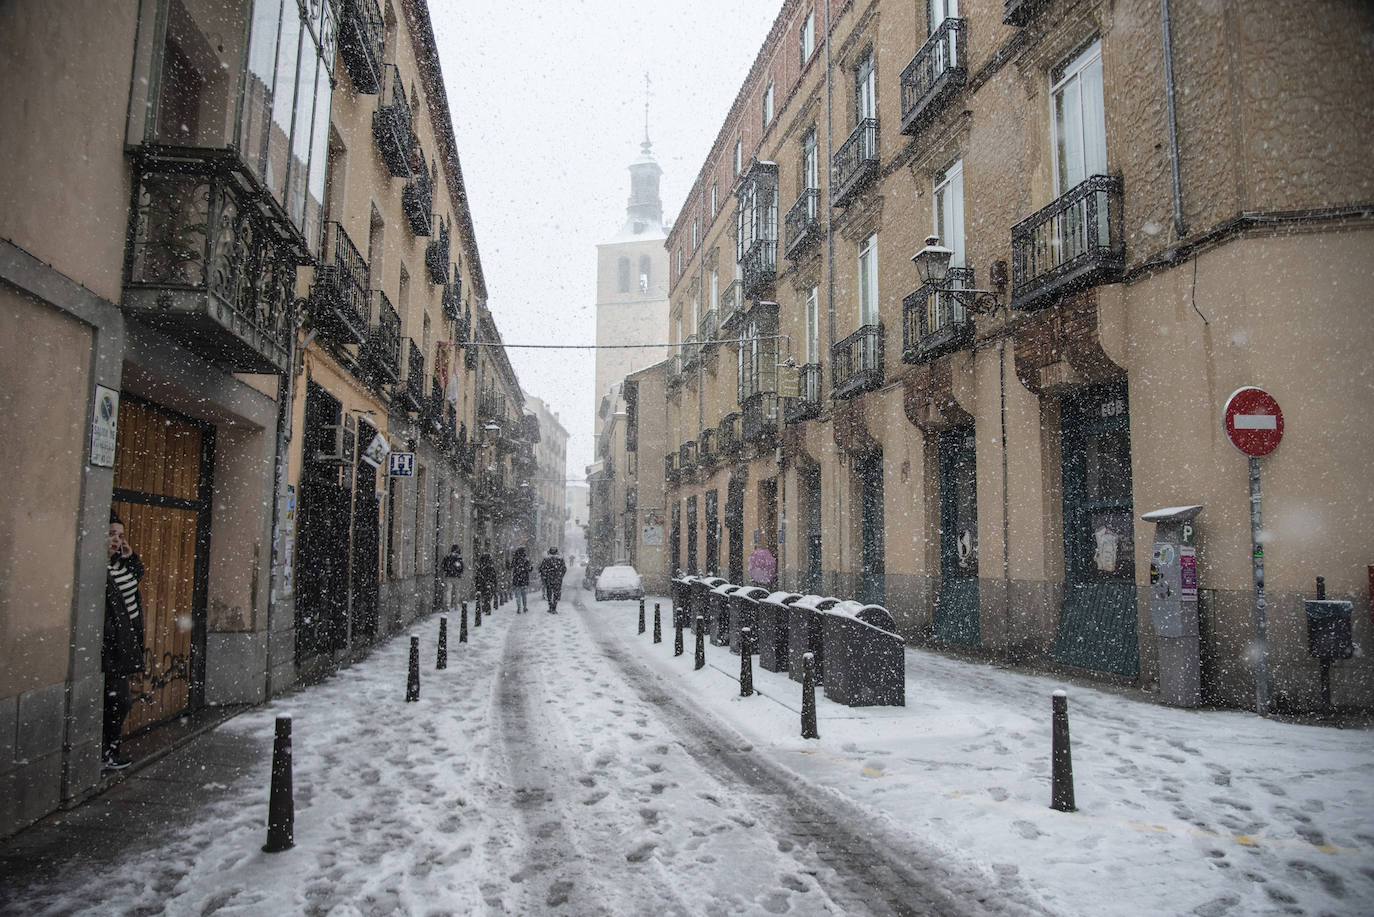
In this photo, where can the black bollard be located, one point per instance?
(413, 679)
(746, 663)
(658, 625)
(463, 625)
(281, 806)
(701, 644)
(677, 635)
(808, 711)
(641, 616)
(442, 661)
(477, 611)
(1061, 794)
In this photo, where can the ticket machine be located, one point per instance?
(1173, 604)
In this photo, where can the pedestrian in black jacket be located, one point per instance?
(551, 571)
(520, 568)
(452, 568)
(486, 581)
(121, 651)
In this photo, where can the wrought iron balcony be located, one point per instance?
(1074, 242)
(338, 297)
(707, 327)
(451, 301)
(808, 403)
(381, 355)
(759, 417)
(856, 363)
(706, 448)
(391, 123)
(731, 305)
(675, 370)
(413, 390)
(802, 225)
(729, 435)
(360, 42)
(437, 254)
(856, 162)
(759, 268)
(934, 322)
(670, 467)
(1020, 12)
(686, 456)
(208, 266)
(935, 74)
(417, 198)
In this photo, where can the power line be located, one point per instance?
(761, 337)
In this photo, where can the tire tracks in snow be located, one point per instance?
(878, 871)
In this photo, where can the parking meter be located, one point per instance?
(1173, 604)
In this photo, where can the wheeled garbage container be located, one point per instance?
(698, 600)
(804, 634)
(772, 620)
(865, 659)
(718, 614)
(744, 604)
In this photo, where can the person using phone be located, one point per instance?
(121, 653)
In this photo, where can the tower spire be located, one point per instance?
(645, 212)
(646, 145)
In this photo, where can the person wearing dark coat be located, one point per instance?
(551, 571)
(486, 581)
(121, 650)
(452, 568)
(520, 568)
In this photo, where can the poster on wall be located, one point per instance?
(104, 423)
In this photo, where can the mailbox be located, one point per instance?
(1173, 604)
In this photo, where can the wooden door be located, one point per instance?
(161, 492)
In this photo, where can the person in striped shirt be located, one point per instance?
(121, 653)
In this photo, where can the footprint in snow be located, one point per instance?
(642, 852)
(1026, 829)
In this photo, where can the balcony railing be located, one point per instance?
(675, 369)
(1020, 12)
(1074, 242)
(808, 403)
(802, 224)
(437, 254)
(759, 417)
(360, 42)
(731, 305)
(729, 434)
(391, 123)
(707, 327)
(338, 297)
(856, 363)
(382, 352)
(451, 301)
(691, 351)
(856, 163)
(670, 467)
(208, 268)
(417, 198)
(686, 456)
(933, 321)
(413, 392)
(936, 73)
(706, 448)
(759, 267)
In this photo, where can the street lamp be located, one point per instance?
(932, 264)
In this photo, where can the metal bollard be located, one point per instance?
(442, 661)
(701, 644)
(1061, 794)
(463, 625)
(808, 711)
(677, 634)
(641, 616)
(413, 679)
(658, 625)
(281, 806)
(746, 663)
(477, 611)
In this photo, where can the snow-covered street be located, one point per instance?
(567, 764)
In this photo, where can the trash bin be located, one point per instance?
(680, 589)
(718, 614)
(1328, 629)
(698, 597)
(744, 605)
(804, 634)
(865, 659)
(772, 620)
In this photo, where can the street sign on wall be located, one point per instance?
(1253, 421)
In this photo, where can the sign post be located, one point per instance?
(1254, 424)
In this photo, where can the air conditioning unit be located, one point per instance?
(335, 446)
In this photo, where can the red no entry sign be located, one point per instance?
(1253, 421)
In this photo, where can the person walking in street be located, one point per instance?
(551, 571)
(486, 581)
(452, 568)
(121, 651)
(520, 568)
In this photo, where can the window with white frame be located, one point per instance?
(679, 262)
(941, 308)
(811, 172)
(696, 227)
(696, 313)
(715, 289)
(865, 90)
(813, 324)
(807, 36)
(1080, 138)
(713, 201)
(739, 155)
(868, 280)
(768, 105)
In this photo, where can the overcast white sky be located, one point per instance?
(548, 106)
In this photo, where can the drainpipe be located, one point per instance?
(830, 278)
(1180, 228)
(1006, 498)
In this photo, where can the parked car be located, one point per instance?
(619, 581)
